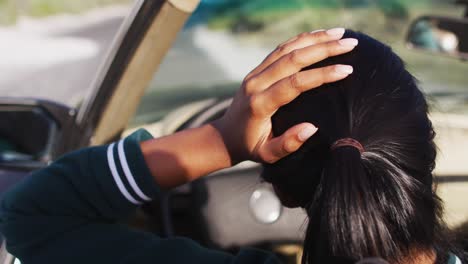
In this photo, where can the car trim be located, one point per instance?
(144, 39)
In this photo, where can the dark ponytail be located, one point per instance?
(337, 207)
(378, 203)
(360, 203)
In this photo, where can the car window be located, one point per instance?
(224, 40)
(51, 49)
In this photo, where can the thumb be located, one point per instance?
(291, 140)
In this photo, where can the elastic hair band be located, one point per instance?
(347, 142)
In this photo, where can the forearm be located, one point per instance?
(185, 156)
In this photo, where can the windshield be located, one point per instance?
(52, 49)
(225, 39)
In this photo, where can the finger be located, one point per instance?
(298, 42)
(332, 31)
(279, 147)
(302, 40)
(312, 32)
(298, 59)
(283, 92)
(301, 35)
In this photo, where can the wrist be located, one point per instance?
(219, 150)
(225, 141)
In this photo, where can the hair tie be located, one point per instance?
(347, 142)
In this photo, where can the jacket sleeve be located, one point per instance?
(69, 212)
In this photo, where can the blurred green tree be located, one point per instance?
(393, 9)
(8, 11)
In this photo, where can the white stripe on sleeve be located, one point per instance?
(115, 174)
(128, 173)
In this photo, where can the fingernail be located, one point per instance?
(307, 132)
(336, 32)
(348, 42)
(344, 69)
(318, 30)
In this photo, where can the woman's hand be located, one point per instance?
(246, 126)
(244, 133)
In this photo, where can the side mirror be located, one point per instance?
(443, 35)
(31, 132)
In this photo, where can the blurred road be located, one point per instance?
(57, 58)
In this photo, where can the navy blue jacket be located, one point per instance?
(70, 212)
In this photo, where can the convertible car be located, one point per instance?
(34, 132)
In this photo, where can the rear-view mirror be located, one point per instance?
(443, 35)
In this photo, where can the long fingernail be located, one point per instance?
(344, 69)
(348, 42)
(315, 31)
(307, 132)
(336, 32)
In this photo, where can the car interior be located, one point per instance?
(231, 208)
